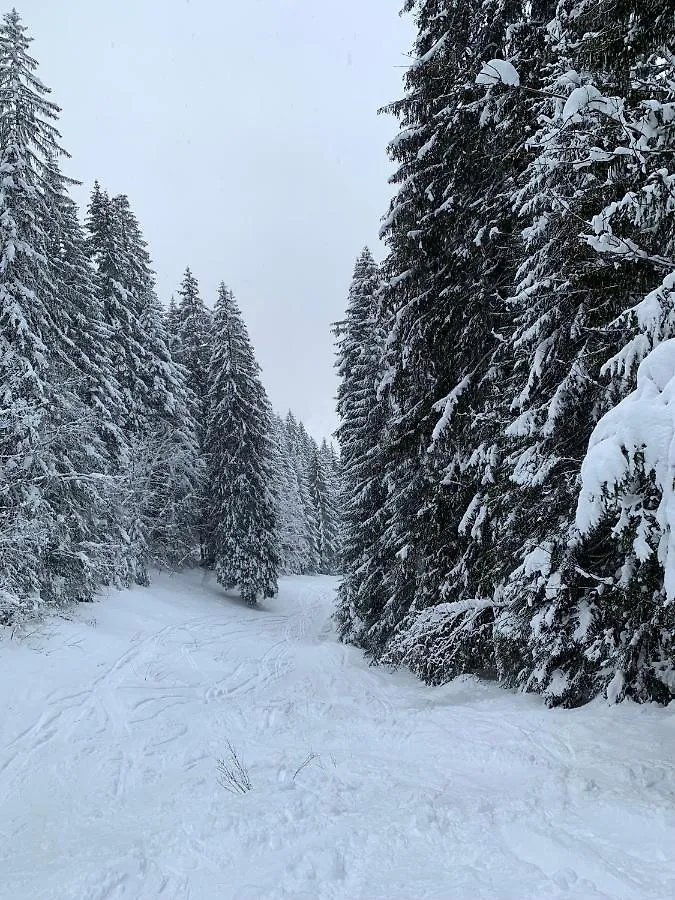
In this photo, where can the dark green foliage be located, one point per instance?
(241, 521)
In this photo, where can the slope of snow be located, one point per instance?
(111, 729)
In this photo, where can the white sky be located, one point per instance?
(246, 136)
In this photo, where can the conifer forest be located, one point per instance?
(487, 536)
(507, 429)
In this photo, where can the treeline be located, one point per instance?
(129, 438)
(506, 429)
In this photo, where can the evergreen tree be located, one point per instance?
(322, 489)
(86, 497)
(173, 328)
(360, 344)
(298, 448)
(448, 273)
(50, 492)
(193, 323)
(294, 546)
(161, 498)
(242, 539)
(111, 248)
(595, 200)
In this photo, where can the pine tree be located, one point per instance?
(161, 492)
(325, 501)
(193, 323)
(242, 539)
(450, 232)
(360, 343)
(586, 613)
(298, 448)
(173, 328)
(111, 246)
(294, 546)
(86, 496)
(49, 487)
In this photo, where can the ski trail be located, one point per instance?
(366, 784)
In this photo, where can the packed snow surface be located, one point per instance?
(365, 784)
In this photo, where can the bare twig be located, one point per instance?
(233, 774)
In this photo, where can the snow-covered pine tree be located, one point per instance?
(161, 477)
(173, 328)
(620, 615)
(168, 455)
(50, 490)
(360, 347)
(323, 493)
(117, 285)
(451, 239)
(193, 322)
(297, 439)
(330, 463)
(86, 499)
(241, 524)
(590, 202)
(166, 470)
(294, 546)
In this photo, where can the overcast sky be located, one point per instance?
(246, 134)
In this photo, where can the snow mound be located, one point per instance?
(638, 435)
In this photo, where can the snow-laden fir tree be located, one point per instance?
(324, 495)
(52, 483)
(173, 328)
(298, 449)
(193, 324)
(87, 497)
(161, 477)
(190, 324)
(241, 523)
(320, 495)
(294, 543)
(330, 464)
(360, 347)
(450, 232)
(596, 295)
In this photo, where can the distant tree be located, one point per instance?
(298, 448)
(294, 545)
(193, 324)
(173, 328)
(322, 491)
(360, 348)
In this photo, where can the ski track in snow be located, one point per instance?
(366, 784)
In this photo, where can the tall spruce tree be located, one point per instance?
(360, 345)
(294, 545)
(323, 493)
(585, 612)
(298, 448)
(193, 324)
(173, 328)
(157, 419)
(241, 523)
(87, 496)
(448, 273)
(52, 479)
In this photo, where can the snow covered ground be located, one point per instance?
(112, 725)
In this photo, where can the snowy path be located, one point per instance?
(111, 729)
